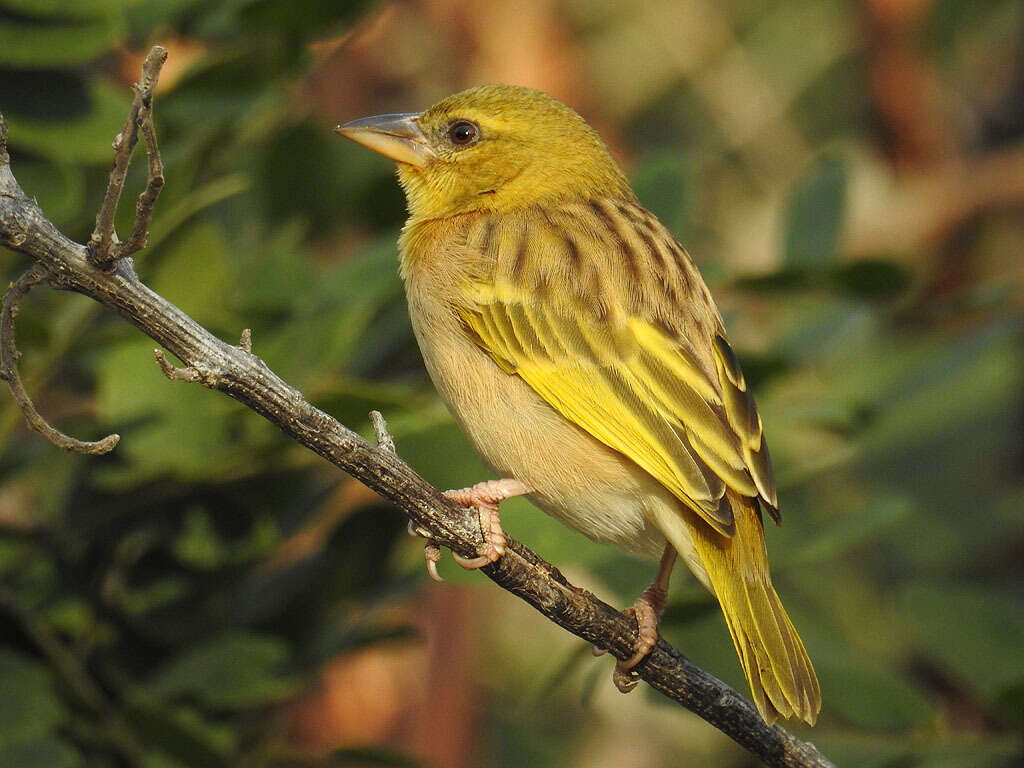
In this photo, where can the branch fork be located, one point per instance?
(104, 246)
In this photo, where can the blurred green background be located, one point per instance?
(848, 174)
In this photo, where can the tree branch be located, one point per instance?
(235, 371)
(9, 355)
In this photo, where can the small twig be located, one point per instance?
(9, 355)
(154, 183)
(380, 428)
(103, 241)
(245, 340)
(172, 372)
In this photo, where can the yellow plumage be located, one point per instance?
(580, 350)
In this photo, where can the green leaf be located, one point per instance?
(959, 749)
(830, 543)
(58, 187)
(81, 138)
(50, 752)
(72, 615)
(182, 737)
(663, 183)
(178, 211)
(786, 280)
(815, 217)
(976, 632)
(951, 21)
(154, 595)
(197, 274)
(181, 430)
(29, 709)
(198, 544)
(284, 273)
(79, 9)
(869, 695)
(29, 45)
(232, 671)
(1011, 704)
(871, 279)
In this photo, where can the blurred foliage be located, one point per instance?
(175, 602)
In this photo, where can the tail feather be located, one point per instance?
(773, 657)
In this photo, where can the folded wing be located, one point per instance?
(618, 357)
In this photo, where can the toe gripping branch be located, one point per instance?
(483, 497)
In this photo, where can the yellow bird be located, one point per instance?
(578, 347)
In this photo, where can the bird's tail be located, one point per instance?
(778, 670)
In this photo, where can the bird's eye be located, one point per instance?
(463, 132)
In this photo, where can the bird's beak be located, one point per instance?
(397, 136)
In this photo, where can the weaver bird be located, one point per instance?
(577, 346)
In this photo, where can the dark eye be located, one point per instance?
(463, 132)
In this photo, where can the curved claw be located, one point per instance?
(624, 680)
(647, 616)
(472, 563)
(431, 550)
(432, 553)
(416, 532)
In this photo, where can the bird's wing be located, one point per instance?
(580, 305)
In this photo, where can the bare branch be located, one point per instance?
(154, 183)
(103, 242)
(241, 375)
(9, 370)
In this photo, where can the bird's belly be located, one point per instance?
(574, 477)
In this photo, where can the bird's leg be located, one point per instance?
(485, 497)
(647, 609)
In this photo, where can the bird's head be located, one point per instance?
(493, 148)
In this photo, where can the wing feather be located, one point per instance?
(746, 422)
(676, 405)
(604, 398)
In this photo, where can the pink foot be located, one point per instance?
(485, 497)
(647, 610)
